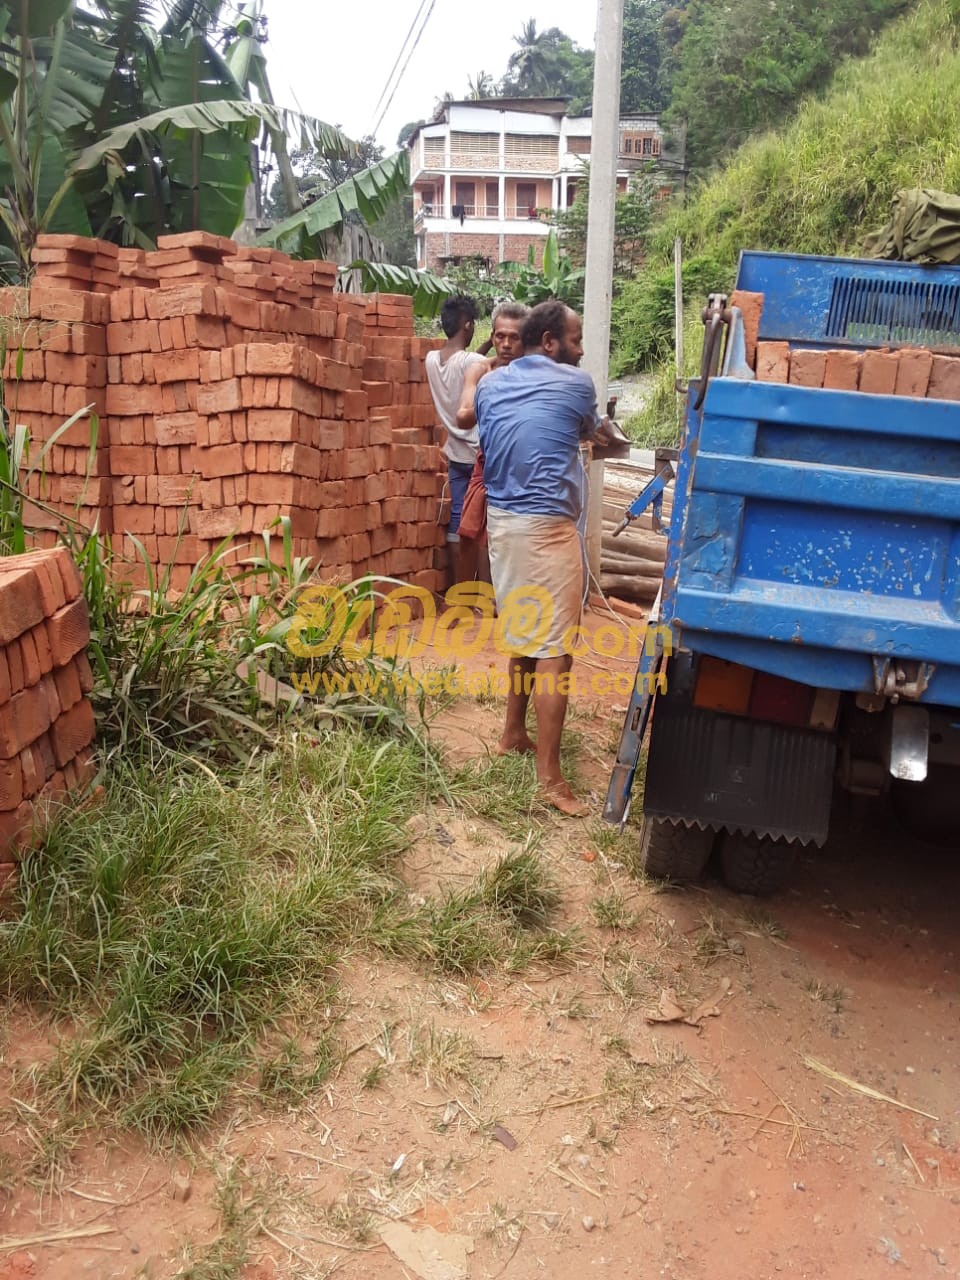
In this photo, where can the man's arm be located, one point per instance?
(466, 412)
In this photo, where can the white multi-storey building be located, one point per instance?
(484, 171)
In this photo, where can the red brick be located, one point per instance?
(177, 366)
(133, 460)
(751, 308)
(32, 773)
(188, 301)
(16, 829)
(25, 717)
(806, 367)
(913, 374)
(31, 661)
(220, 397)
(69, 631)
(878, 372)
(175, 491)
(68, 304)
(217, 524)
(225, 460)
(67, 680)
(269, 489)
(73, 731)
(69, 573)
(944, 378)
(176, 428)
(49, 687)
(11, 784)
(132, 335)
(773, 361)
(84, 672)
(21, 604)
(201, 240)
(842, 371)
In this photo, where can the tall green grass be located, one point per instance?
(175, 922)
(820, 184)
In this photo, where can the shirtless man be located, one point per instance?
(508, 320)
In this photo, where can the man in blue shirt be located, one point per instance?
(532, 416)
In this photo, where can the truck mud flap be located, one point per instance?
(729, 773)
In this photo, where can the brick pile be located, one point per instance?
(411, 483)
(904, 371)
(46, 720)
(54, 368)
(232, 386)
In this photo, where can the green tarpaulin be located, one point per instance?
(924, 226)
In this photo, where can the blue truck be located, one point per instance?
(806, 640)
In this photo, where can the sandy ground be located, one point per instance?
(583, 1139)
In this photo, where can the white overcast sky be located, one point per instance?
(332, 60)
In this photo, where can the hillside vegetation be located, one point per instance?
(819, 185)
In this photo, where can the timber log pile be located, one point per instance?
(631, 565)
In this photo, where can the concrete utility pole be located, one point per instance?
(598, 290)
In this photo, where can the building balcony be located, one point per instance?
(485, 212)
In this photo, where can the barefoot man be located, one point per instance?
(508, 318)
(532, 416)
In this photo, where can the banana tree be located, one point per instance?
(111, 128)
(114, 128)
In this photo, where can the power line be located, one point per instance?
(400, 53)
(404, 67)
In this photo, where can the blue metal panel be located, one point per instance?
(822, 529)
(845, 301)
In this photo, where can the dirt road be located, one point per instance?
(545, 1128)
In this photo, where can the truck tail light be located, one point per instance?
(723, 686)
(782, 701)
(741, 691)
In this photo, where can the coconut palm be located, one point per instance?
(531, 64)
(480, 86)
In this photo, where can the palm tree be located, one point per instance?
(531, 63)
(480, 86)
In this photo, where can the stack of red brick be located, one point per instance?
(401, 411)
(232, 386)
(46, 720)
(907, 371)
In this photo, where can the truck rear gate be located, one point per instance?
(814, 543)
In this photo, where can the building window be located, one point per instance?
(543, 146)
(639, 144)
(475, 143)
(433, 146)
(578, 146)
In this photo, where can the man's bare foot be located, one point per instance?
(559, 795)
(522, 745)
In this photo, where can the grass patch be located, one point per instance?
(226, 1258)
(710, 941)
(501, 918)
(442, 1056)
(175, 923)
(610, 911)
(501, 789)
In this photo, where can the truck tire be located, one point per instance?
(756, 864)
(671, 851)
